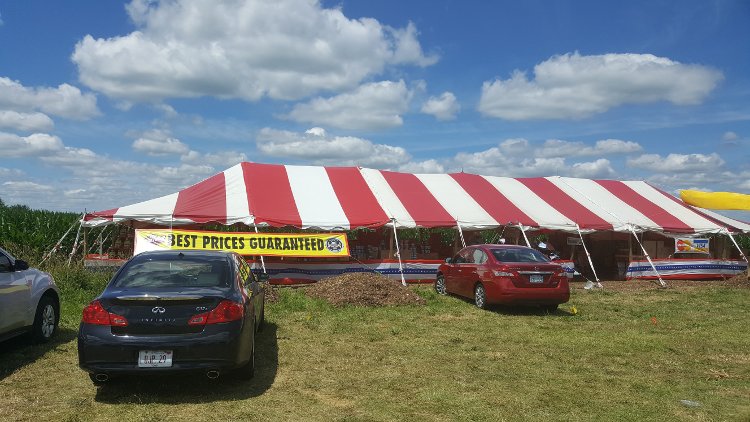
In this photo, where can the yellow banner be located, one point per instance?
(716, 200)
(271, 244)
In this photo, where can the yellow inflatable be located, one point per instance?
(716, 200)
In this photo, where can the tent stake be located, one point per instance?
(398, 253)
(661, 282)
(588, 255)
(461, 233)
(524, 235)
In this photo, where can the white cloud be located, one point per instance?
(376, 105)
(221, 159)
(559, 148)
(575, 86)
(678, 163)
(600, 168)
(157, 142)
(37, 144)
(25, 122)
(25, 186)
(64, 101)
(494, 162)
(320, 148)
(426, 166)
(729, 136)
(6, 172)
(443, 107)
(285, 49)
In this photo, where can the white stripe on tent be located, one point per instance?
(684, 214)
(603, 203)
(731, 222)
(456, 201)
(316, 200)
(158, 210)
(387, 199)
(531, 204)
(238, 208)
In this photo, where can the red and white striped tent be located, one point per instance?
(344, 198)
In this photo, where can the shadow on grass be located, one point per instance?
(561, 311)
(195, 387)
(18, 352)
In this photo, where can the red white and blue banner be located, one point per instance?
(686, 269)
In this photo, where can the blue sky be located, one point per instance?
(107, 103)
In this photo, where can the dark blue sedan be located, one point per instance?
(172, 311)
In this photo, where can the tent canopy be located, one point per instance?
(344, 198)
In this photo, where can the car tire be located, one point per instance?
(247, 370)
(46, 320)
(480, 296)
(440, 285)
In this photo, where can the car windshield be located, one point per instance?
(171, 271)
(519, 255)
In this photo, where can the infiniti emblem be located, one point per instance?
(158, 310)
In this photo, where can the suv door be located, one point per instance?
(15, 295)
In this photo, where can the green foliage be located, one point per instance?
(743, 240)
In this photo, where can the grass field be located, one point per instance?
(623, 356)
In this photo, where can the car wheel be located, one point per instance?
(550, 308)
(440, 285)
(480, 296)
(45, 321)
(247, 370)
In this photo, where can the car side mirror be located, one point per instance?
(20, 265)
(448, 260)
(263, 277)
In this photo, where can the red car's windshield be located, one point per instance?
(518, 255)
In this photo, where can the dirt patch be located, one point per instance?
(363, 289)
(738, 281)
(271, 294)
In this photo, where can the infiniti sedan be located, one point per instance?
(172, 311)
(504, 274)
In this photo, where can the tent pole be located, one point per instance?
(262, 262)
(588, 255)
(742, 254)
(461, 233)
(75, 245)
(661, 282)
(398, 253)
(59, 242)
(524, 235)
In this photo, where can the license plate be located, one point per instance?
(155, 359)
(536, 278)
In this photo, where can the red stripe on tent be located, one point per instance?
(203, 202)
(418, 201)
(654, 212)
(269, 195)
(493, 201)
(357, 200)
(564, 204)
(106, 214)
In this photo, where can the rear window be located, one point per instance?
(519, 255)
(173, 271)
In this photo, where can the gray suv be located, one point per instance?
(29, 300)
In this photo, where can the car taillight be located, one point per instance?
(95, 314)
(225, 311)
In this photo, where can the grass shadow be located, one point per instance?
(195, 387)
(18, 352)
(518, 310)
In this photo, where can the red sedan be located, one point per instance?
(504, 274)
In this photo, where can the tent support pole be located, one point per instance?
(59, 242)
(461, 233)
(742, 254)
(524, 235)
(262, 262)
(75, 245)
(398, 253)
(661, 282)
(588, 255)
